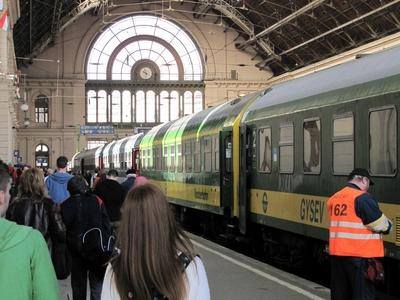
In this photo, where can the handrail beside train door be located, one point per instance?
(245, 168)
(136, 160)
(226, 172)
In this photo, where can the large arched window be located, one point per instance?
(42, 156)
(138, 71)
(42, 109)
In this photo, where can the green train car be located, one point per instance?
(262, 166)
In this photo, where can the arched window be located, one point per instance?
(132, 71)
(42, 109)
(42, 156)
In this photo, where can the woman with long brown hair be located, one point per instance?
(156, 258)
(32, 207)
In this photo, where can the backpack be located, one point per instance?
(97, 240)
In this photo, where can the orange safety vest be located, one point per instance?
(348, 236)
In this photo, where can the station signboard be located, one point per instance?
(96, 129)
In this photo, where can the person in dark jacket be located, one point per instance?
(78, 212)
(33, 208)
(112, 193)
(129, 182)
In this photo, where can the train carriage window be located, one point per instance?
(286, 149)
(197, 157)
(207, 154)
(172, 165)
(179, 157)
(216, 153)
(343, 144)
(264, 138)
(312, 146)
(165, 160)
(383, 141)
(158, 158)
(188, 156)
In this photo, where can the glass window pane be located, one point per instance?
(343, 157)
(140, 107)
(126, 107)
(150, 106)
(188, 103)
(102, 107)
(383, 143)
(286, 159)
(343, 127)
(116, 106)
(164, 107)
(198, 101)
(91, 106)
(264, 138)
(312, 146)
(174, 105)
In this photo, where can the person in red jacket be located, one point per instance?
(355, 235)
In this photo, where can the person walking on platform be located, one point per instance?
(80, 212)
(356, 225)
(129, 182)
(112, 193)
(26, 271)
(156, 258)
(57, 182)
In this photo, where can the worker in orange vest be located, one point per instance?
(355, 234)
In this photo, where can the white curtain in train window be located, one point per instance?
(264, 140)
(91, 113)
(286, 153)
(126, 107)
(164, 106)
(383, 143)
(343, 144)
(150, 106)
(187, 103)
(312, 146)
(140, 107)
(116, 107)
(174, 105)
(102, 106)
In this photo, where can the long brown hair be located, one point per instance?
(31, 184)
(150, 241)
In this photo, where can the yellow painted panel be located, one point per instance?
(303, 209)
(204, 194)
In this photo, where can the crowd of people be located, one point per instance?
(45, 216)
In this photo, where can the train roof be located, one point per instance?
(368, 68)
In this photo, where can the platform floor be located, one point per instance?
(233, 276)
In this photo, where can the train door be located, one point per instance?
(244, 174)
(101, 163)
(136, 160)
(83, 166)
(226, 172)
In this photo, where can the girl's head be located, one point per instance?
(31, 183)
(150, 241)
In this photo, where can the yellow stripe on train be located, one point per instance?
(304, 209)
(204, 194)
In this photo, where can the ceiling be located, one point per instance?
(280, 35)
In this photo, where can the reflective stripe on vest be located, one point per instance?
(348, 236)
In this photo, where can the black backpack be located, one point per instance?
(97, 240)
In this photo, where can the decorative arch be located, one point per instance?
(138, 71)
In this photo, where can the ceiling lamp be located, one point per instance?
(24, 107)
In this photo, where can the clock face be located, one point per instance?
(145, 73)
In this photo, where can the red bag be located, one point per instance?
(375, 271)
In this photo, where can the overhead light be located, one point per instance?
(27, 123)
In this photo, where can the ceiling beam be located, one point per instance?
(341, 26)
(282, 22)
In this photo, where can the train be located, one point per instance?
(262, 166)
